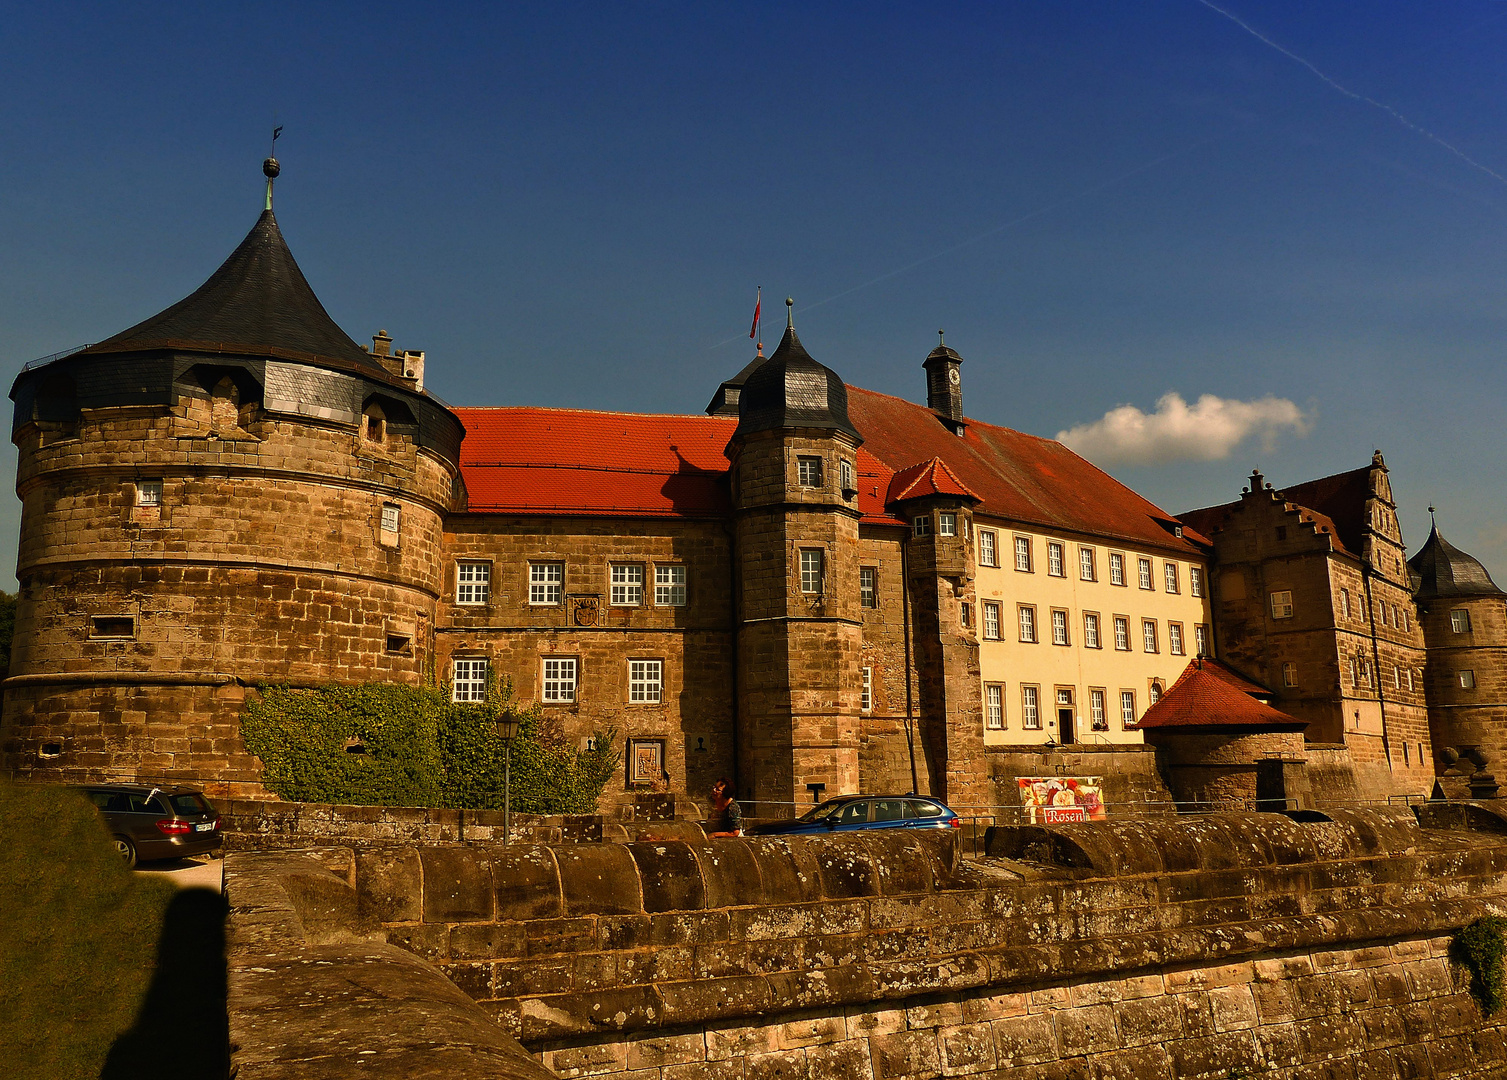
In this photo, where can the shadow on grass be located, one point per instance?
(182, 1031)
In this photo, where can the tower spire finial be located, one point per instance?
(789, 313)
(270, 167)
(941, 338)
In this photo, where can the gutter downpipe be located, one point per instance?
(910, 736)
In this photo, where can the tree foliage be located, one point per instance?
(387, 744)
(1480, 947)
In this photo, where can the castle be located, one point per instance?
(815, 588)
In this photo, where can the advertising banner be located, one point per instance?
(1056, 800)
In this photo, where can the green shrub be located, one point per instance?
(418, 749)
(1479, 947)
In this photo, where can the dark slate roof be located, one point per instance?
(791, 390)
(942, 352)
(256, 303)
(1334, 504)
(725, 401)
(1443, 570)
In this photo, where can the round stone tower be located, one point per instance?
(795, 494)
(1464, 617)
(232, 492)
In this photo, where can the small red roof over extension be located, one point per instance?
(928, 478)
(1206, 697)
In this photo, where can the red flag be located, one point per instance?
(753, 331)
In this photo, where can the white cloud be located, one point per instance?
(1207, 430)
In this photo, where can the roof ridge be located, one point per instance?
(701, 417)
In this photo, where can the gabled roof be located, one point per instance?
(1205, 697)
(1334, 504)
(1235, 679)
(1443, 570)
(1018, 477)
(256, 303)
(928, 478)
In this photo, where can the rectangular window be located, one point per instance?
(1345, 603)
(1059, 627)
(468, 680)
(965, 614)
(1459, 621)
(811, 571)
(149, 493)
(991, 620)
(947, 523)
(1127, 709)
(627, 582)
(112, 626)
(1116, 568)
(1086, 568)
(1201, 639)
(1175, 638)
(1030, 715)
(390, 512)
(846, 469)
(1054, 559)
(1289, 674)
(922, 525)
(994, 707)
(809, 471)
(646, 680)
(1027, 623)
(987, 554)
(1023, 553)
(669, 586)
(1148, 635)
(1097, 720)
(1282, 604)
(1143, 569)
(546, 582)
(1169, 576)
(1467, 680)
(1396, 617)
(473, 582)
(866, 698)
(1122, 633)
(402, 644)
(1196, 580)
(868, 587)
(559, 679)
(1091, 631)
(1410, 680)
(1281, 532)
(1396, 677)
(1407, 620)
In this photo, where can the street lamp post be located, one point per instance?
(507, 731)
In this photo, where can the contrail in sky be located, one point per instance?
(1393, 113)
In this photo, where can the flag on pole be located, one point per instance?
(753, 331)
(276, 132)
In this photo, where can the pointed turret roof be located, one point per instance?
(1443, 570)
(258, 303)
(927, 479)
(791, 390)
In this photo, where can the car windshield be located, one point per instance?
(188, 804)
(822, 812)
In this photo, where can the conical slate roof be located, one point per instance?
(1443, 570)
(256, 303)
(791, 390)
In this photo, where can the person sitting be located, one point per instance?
(726, 818)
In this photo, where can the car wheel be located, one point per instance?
(126, 850)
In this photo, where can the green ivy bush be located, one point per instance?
(418, 748)
(1480, 948)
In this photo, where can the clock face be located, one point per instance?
(953, 376)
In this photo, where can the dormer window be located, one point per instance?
(374, 424)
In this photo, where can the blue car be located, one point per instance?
(851, 812)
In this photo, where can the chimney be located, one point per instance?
(381, 344)
(944, 385)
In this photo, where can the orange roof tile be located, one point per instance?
(1204, 696)
(928, 478)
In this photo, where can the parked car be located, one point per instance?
(150, 823)
(850, 812)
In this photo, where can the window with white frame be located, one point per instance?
(1407, 620)
(1289, 674)
(1086, 568)
(947, 523)
(1054, 559)
(994, 707)
(149, 493)
(1175, 638)
(1091, 631)
(1396, 677)
(1143, 569)
(1282, 604)
(560, 674)
(627, 581)
(1148, 635)
(1027, 623)
(1122, 633)
(868, 587)
(1023, 553)
(1169, 576)
(1201, 639)
(1116, 568)
(468, 679)
(922, 525)
(1345, 603)
(473, 582)
(1410, 680)
(1196, 580)
(1127, 708)
(669, 586)
(991, 620)
(1154, 692)
(1059, 627)
(390, 515)
(546, 582)
(866, 701)
(646, 679)
(845, 468)
(1459, 621)
(1467, 680)
(811, 571)
(965, 614)
(1030, 713)
(987, 553)
(809, 471)
(1096, 718)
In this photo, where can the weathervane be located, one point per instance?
(270, 167)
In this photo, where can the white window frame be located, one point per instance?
(1175, 639)
(1030, 707)
(1088, 568)
(947, 523)
(1091, 639)
(1170, 577)
(813, 571)
(1097, 720)
(627, 584)
(988, 547)
(1149, 636)
(965, 614)
(866, 697)
(392, 518)
(991, 620)
(994, 706)
(808, 471)
(1289, 673)
(1465, 679)
(1196, 580)
(1023, 559)
(546, 584)
(468, 678)
(560, 679)
(669, 585)
(1345, 603)
(646, 682)
(1459, 620)
(149, 493)
(1143, 573)
(1201, 639)
(1122, 633)
(1116, 568)
(1128, 718)
(845, 471)
(1059, 627)
(473, 582)
(1153, 693)
(1026, 616)
(868, 587)
(1056, 561)
(1281, 604)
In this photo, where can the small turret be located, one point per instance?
(944, 384)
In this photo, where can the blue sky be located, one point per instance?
(571, 205)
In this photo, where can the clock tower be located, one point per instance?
(944, 385)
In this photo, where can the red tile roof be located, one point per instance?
(928, 478)
(1205, 697)
(1234, 678)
